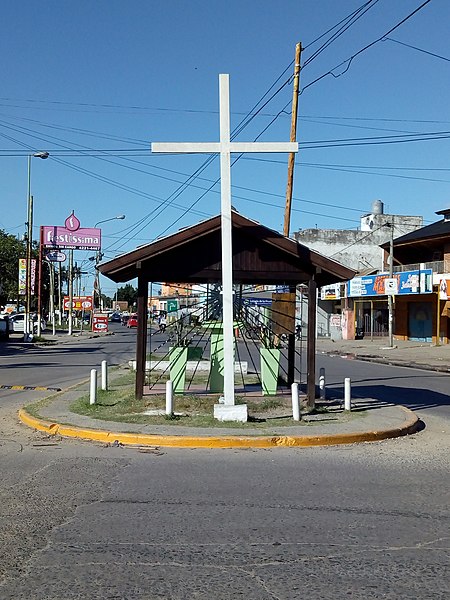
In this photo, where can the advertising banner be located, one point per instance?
(62, 238)
(100, 323)
(22, 276)
(79, 303)
(408, 282)
(330, 292)
(444, 289)
(33, 275)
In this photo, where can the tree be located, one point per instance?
(11, 249)
(128, 293)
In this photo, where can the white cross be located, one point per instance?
(225, 147)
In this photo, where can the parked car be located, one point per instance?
(4, 327)
(132, 321)
(17, 323)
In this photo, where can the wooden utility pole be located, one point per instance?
(291, 297)
(291, 158)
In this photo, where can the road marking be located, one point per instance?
(39, 388)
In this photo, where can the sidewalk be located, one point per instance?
(404, 353)
(369, 420)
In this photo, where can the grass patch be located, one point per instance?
(119, 405)
(318, 410)
(266, 404)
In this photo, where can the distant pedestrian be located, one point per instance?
(162, 323)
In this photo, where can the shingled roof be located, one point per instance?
(193, 255)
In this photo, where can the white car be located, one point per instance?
(17, 322)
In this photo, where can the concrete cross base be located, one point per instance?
(231, 412)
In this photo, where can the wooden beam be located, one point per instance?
(141, 342)
(311, 346)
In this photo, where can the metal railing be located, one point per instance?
(437, 266)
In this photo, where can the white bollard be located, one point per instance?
(169, 398)
(104, 375)
(347, 394)
(322, 391)
(295, 403)
(93, 387)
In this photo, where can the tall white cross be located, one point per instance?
(225, 147)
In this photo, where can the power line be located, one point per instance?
(418, 49)
(349, 60)
(344, 20)
(356, 15)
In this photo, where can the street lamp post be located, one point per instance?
(27, 326)
(390, 298)
(99, 256)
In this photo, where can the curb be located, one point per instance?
(174, 441)
(388, 361)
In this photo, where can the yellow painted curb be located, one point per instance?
(176, 441)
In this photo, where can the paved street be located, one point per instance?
(83, 520)
(368, 521)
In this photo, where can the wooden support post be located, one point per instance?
(141, 342)
(311, 345)
(293, 137)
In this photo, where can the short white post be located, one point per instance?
(93, 387)
(295, 403)
(169, 398)
(347, 393)
(104, 375)
(322, 391)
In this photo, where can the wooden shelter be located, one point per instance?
(193, 255)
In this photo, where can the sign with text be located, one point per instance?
(33, 275)
(330, 292)
(79, 303)
(55, 256)
(100, 322)
(62, 238)
(408, 282)
(258, 301)
(23, 276)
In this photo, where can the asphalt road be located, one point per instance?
(63, 364)
(426, 392)
(81, 520)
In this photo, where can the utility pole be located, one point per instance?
(291, 299)
(28, 324)
(390, 297)
(291, 156)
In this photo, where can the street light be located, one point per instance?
(120, 217)
(27, 326)
(99, 256)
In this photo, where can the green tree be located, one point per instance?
(128, 293)
(11, 249)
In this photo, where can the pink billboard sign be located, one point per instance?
(63, 238)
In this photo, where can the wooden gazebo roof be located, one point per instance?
(193, 255)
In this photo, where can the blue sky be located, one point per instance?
(94, 83)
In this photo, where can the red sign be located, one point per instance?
(79, 303)
(100, 323)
